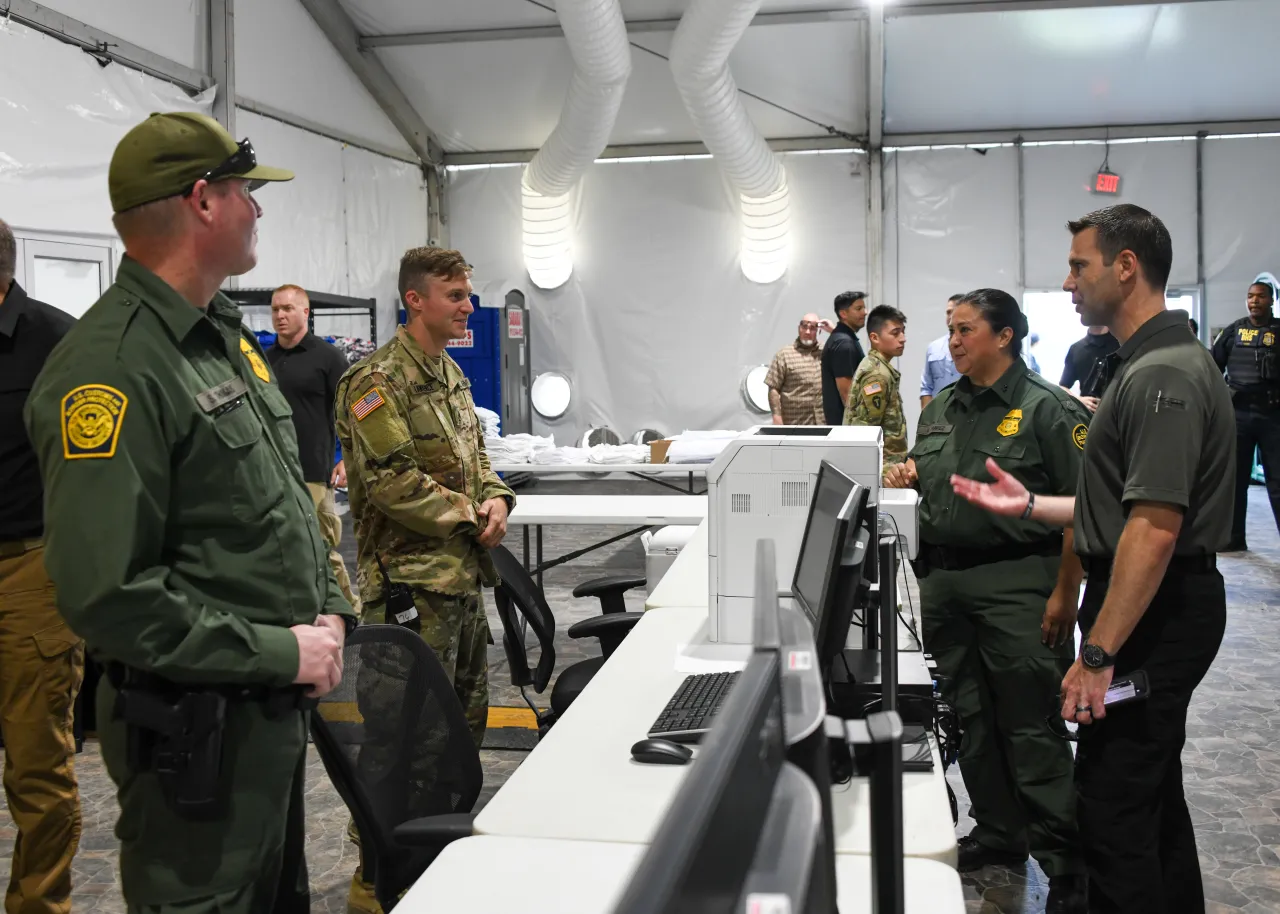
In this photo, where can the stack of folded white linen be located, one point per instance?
(518, 448)
(490, 422)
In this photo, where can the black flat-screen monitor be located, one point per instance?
(837, 559)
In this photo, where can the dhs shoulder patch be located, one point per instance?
(92, 416)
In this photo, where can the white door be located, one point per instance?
(68, 276)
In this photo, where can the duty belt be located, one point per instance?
(957, 558)
(278, 700)
(1256, 399)
(1100, 565)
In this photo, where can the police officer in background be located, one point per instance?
(41, 661)
(426, 505)
(1149, 515)
(998, 595)
(1248, 350)
(182, 541)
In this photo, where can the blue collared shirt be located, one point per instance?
(939, 369)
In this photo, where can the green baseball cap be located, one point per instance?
(167, 153)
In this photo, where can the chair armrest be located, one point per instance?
(617, 584)
(617, 624)
(434, 831)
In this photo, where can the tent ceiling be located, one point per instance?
(994, 65)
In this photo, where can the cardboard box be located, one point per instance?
(658, 450)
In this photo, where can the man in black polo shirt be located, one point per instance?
(41, 661)
(1152, 508)
(1081, 365)
(842, 354)
(308, 369)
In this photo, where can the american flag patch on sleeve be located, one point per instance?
(367, 404)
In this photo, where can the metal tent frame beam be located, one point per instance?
(104, 46)
(341, 32)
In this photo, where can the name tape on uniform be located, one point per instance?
(92, 416)
(367, 404)
(209, 400)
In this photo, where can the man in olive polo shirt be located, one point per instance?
(182, 539)
(1152, 509)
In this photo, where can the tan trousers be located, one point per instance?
(41, 668)
(331, 529)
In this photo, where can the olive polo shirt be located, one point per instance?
(1164, 432)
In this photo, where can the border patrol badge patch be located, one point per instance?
(1079, 435)
(255, 361)
(367, 404)
(1009, 424)
(91, 418)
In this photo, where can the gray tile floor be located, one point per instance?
(1232, 760)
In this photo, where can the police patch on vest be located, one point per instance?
(1268, 338)
(1009, 424)
(255, 361)
(91, 418)
(1079, 435)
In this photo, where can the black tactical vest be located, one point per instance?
(1254, 360)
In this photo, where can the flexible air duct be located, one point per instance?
(597, 38)
(707, 34)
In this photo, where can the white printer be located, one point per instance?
(759, 488)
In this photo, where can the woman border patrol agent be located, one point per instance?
(998, 594)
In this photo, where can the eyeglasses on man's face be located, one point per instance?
(808, 325)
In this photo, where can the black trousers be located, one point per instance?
(1139, 844)
(1255, 428)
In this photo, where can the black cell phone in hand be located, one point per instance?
(1133, 687)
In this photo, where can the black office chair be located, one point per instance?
(518, 595)
(396, 745)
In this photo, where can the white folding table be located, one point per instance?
(548, 876)
(639, 512)
(581, 784)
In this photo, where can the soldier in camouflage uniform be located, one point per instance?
(424, 499)
(875, 396)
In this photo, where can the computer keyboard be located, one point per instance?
(691, 709)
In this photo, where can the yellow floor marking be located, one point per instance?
(512, 717)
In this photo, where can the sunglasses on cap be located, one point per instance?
(243, 160)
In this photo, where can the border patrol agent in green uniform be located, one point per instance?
(425, 502)
(875, 396)
(985, 582)
(183, 541)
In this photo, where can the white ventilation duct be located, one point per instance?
(707, 34)
(597, 38)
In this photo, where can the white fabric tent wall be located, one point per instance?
(1241, 203)
(950, 226)
(657, 326)
(339, 227)
(61, 116)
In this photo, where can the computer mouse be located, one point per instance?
(661, 752)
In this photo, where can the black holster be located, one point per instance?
(178, 737)
(400, 609)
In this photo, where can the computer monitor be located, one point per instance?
(837, 559)
(703, 850)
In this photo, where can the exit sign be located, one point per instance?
(1106, 182)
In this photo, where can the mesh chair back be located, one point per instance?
(395, 742)
(519, 593)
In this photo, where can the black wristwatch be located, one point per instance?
(1095, 658)
(351, 623)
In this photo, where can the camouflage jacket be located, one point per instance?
(417, 471)
(875, 399)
